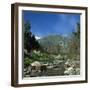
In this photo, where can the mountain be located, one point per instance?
(53, 43)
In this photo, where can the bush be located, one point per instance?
(27, 62)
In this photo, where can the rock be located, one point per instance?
(70, 71)
(57, 61)
(49, 67)
(25, 69)
(35, 63)
(77, 71)
(58, 56)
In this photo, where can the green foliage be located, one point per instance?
(39, 56)
(27, 36)
(27, 61)
(30, 42)
(27, 26)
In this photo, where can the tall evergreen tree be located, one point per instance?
(30, 41)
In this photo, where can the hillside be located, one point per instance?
(53, 43)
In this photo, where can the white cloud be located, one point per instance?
(37, 37)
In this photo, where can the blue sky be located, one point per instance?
(43, 24)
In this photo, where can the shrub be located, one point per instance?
(27, 61)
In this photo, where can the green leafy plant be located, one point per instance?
(27, 61)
